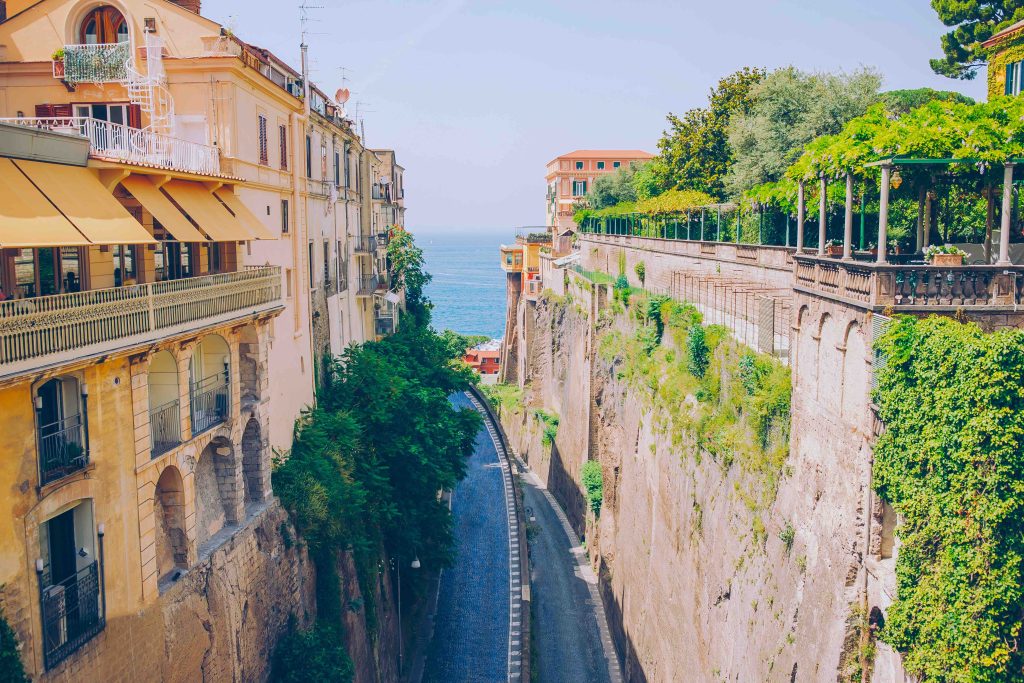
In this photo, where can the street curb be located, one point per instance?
(519, 665)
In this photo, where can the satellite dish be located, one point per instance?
(341, 97)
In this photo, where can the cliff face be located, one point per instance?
(710, 570)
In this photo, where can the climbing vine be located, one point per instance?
(593, 484)
(951, 462)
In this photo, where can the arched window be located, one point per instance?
(104, 25)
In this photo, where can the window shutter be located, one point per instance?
(1009, 80)
(134, 116)
(44, 111)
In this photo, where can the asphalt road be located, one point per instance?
(471, 626)
(569, 633)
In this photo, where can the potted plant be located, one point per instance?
(833, 248)
(58, 62)
(945, 255)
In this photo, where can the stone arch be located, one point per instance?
(169, 521)
(830, 358)
(854, 400)
(217, 489)
(255, 473)
(164, 402)
(802, 315)
(806, 365)
(249, 364)
(77, 17)
(209, 371)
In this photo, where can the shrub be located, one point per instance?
(549, 422)
(11, 668)
(641, 272)
(699, 353)
(787, 536)
(316, 654)
(503, 396)
(593, 483)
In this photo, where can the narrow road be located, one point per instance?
(471, 640)
(570, 637)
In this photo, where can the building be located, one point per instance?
(186, 230)
(570, 176)
(1006, 61)
(485, 359)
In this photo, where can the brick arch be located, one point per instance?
(801, 315)
(169, 515)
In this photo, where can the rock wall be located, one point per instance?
(697, 581)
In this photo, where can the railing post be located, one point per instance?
(150, 306)
(822, 214)
(1004, 223)
(800, 215)
(848, 220)
(883, 214)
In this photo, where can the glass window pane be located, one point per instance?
(25, 273)
(47, 272)
(117, 115)
(70, 268)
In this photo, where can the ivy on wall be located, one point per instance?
(997, 67)
(951, 462)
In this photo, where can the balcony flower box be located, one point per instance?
(833, 249)
(946, 255)
(947, 260)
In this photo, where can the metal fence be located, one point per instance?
(209, 398)
(72, 612)
(62, 448)
(165, 427)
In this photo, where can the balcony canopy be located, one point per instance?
(211, 216)
(82, 199)
(243, 215)
(162, 209)
(27, 218)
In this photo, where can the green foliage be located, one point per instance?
(641, 272)
(503, 396)
(695, 151)
(788, 109)
(787, 536)
(951, 462)
(593, 483)
(316, 654)
(465, 341)
(622, 266)
(972, 23)
(549, 426)
(899, 102)
(11, 668)
(406, 261)
(699, 354)
(613, 188)
(651, 179)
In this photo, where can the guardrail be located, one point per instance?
(34, 330)
(94, 63)
(762, 255)
(910, 286)
(131, 145)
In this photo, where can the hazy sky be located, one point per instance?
(476, 97)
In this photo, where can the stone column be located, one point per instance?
(883, 213)
(848, 225)
(800, 214)
(919, 238)
(1004, 223)
(822, 217)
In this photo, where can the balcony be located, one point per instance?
(117, 142)
(164, 428)
(101, 63)
(72, 611)
(53, 329)
(62, 449)
(907, 288)
(210, 399)
(365, 244)
(512, 259)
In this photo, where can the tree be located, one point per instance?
(900, 102)
(789, 108)
(973, 22)
(407, 268)
(695, 151)
(613, 188)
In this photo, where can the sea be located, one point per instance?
(468, 286)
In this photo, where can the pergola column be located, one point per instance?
(883, 214)
(922, 197)
(822, 218)
(848, 225)
(1004, 223)
(800, 212)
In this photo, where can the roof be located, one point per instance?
(489, 346)
(1005, 33)
(605, 154)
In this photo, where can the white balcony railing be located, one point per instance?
(131, 145)
(101, 63)
(66, 326)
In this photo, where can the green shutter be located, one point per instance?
(1009, 79)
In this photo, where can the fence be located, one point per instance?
(94, 63)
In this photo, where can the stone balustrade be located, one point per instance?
(763, 255)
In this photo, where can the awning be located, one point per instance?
(246, 217)
(215, 220)
(162, 209)
(27, 218)
(86, 203)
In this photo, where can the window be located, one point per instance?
(309, 157)
(288, 283)
(62, 428)
(312, 268)
(327, 264)
(125, 265)
(282, 132)
(104, 25)
(284, 217)
(616, 164)
(348, 164)
(579, 188)
(600, 166)
(323, 160)
(264, 155)
(172, 261)
(121, 114)
(579, 165)
(1013, 78)
(337, 169)
(213, 257)
(339, 267)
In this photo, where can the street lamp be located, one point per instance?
(398, 565)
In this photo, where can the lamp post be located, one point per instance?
(415, 564)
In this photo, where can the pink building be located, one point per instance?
(572, 175)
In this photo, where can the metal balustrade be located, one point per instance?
(32, 329)
(131, 145)
(210, 398)
(365, 244)
(62, 449)
(165, 427)
(98, 63)
(367, 285)
(73, 612)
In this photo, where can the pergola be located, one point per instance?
(921, 242)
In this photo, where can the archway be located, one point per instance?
(103, 25)
(209, 372)
(253, 474)
(248, 364)
(217, 490)
(169, 521)
(164, 413)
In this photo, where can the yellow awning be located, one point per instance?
(86, 203)
(162, 209)
(215, 220)
(247, 218)
(27, 218)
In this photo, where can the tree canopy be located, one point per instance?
(972, 22)
(613, 188)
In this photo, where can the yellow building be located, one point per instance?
(521, 261)
(1006, 61)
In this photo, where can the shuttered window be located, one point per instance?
(264, 154)
(282, 132)
(1013, 78)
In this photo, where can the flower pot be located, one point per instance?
(833, 250)
(948, 260)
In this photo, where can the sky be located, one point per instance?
(476, 97)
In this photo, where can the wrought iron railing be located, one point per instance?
(165, 427)
(367, 284)
(365, 244)
(131, 145)
(62, 449)
(72, 611)
(210, 399)
(35, 328)
(99, 63)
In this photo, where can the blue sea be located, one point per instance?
(468, 289)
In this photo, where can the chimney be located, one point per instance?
(190, 5)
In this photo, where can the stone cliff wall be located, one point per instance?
(697, 580)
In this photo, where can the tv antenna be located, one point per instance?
(304, 18)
